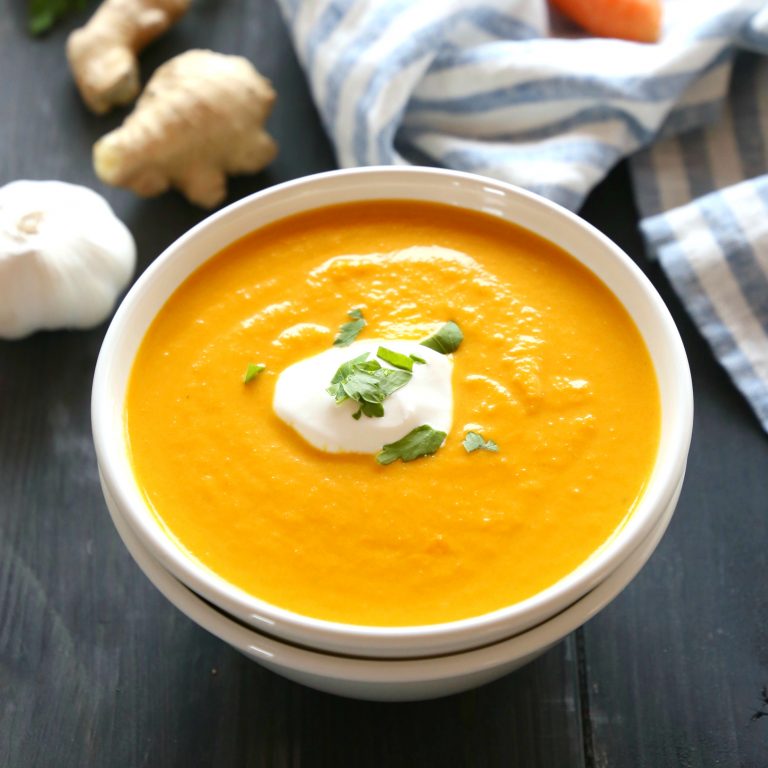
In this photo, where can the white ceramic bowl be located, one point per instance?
(478, 193)
(391, 679)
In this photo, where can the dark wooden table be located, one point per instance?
(97, 669)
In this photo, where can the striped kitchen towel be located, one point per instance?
(703, 197)
(503, 88)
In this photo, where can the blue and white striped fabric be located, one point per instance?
(499, 87)
(704, 199)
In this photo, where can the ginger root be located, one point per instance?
(102, 54)
(200, 117)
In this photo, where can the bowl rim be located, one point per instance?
(114, 463)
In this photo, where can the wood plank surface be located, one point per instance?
(98, 669)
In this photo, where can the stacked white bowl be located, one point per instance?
(386, 662)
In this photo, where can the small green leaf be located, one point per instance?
(390, 381)
(367, 383)
(355, 368)
(349, 331)
(345, 369)
(417, 359)
(253, 370)
(422, 441)
(43, 14)
(40, 21)
(374, 387)
(395, 358)
(362, 385)
(371, 410)
(446, 340)
(473, 442)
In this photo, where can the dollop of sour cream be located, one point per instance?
(302, 402)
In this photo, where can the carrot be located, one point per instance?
(638, 20)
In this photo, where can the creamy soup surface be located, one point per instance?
(551, 368)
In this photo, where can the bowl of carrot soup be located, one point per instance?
(392, 412)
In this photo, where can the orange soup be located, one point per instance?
(551, 369)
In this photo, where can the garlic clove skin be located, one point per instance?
(64, 257)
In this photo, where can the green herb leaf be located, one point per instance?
(357, 365)
(395, 358)
(43, 14)
(374, 387)
(446, 340)
(473, 442)
(371, 389)
(371, 410)
(417, 359)
(367, 383)
(422, 441)
(345, 369)
(253, 370)
(349, 331)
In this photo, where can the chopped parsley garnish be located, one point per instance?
(422, 441)
(253, 370)
(367, 383)
(473, 442)
(446, 339)
(349, 331)
(395, 358)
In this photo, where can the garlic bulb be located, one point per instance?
(64, 257)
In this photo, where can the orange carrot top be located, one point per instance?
(638, 20)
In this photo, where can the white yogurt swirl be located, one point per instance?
(302, 402)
